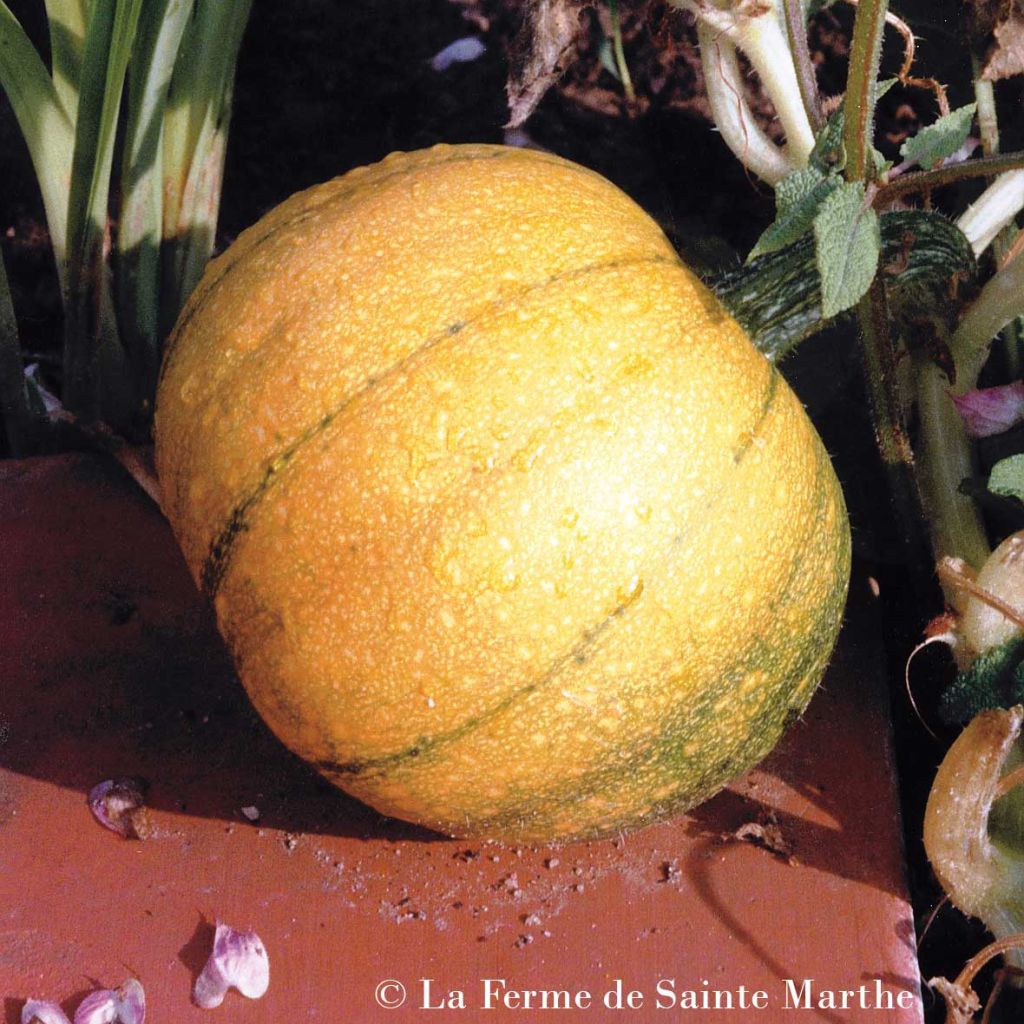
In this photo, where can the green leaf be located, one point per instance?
(798, 198)
(19, 422)
(995, 679)
(161, 26)
(1007, 477)
(847, 241)
(795, 187)
(933, 144)
(777, 297)
(195, 139)
(108, 46)
(606, 56)
(43, 121)
(67, 20)
(884, 86)
(827, 151)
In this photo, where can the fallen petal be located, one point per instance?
(119, 804)
(462, 51)
(123, 1005)
(239, 960)
(988, 411)
(40, 1011)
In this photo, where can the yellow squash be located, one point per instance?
(510, 530)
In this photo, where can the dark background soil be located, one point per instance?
(324, 85)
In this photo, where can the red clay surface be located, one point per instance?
(110, 666)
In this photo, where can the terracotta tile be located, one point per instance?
(110, 666)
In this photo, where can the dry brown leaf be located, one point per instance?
(998, 29)
(767, 834)
(543, 48)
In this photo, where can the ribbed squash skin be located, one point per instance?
(509, 528)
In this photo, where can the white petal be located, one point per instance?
(39, 1011)
(123, 1005)
(462, 51)
(239, 960)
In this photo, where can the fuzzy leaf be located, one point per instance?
(798, 197)
(995, 679)
(847, 242)
(828, 144)
(1007, 477)
(934, 143)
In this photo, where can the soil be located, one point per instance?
(324, 86)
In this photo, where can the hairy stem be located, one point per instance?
(921, 181)
(878, 350)
(796, 33)
(862, 88)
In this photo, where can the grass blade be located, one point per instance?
(196, 127)
(161, 26)
(67, 20)
(20, 425)
(108, 46)
(44, 123)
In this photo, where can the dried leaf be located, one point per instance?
(1000, 25)
(543, 48)
(767, 834)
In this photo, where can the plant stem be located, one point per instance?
(796, 31)
(988, 128)
(1000, 302)
(862, 89)
(731, 112)
(620, 53)
(945, 459)
(921, 181)
(894, 447)
(877, 347)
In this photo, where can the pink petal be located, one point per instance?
(239, 960)
(988, 411)
(123, 1005)
(39, 1011)
(119, 804)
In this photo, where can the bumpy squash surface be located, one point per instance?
(509, 528)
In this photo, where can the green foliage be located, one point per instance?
(798, 197)
(932, 144)
(828, 146)
(847, 241)
(1007, 477)
(115, 64)
(777, 296)
(994, 680)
